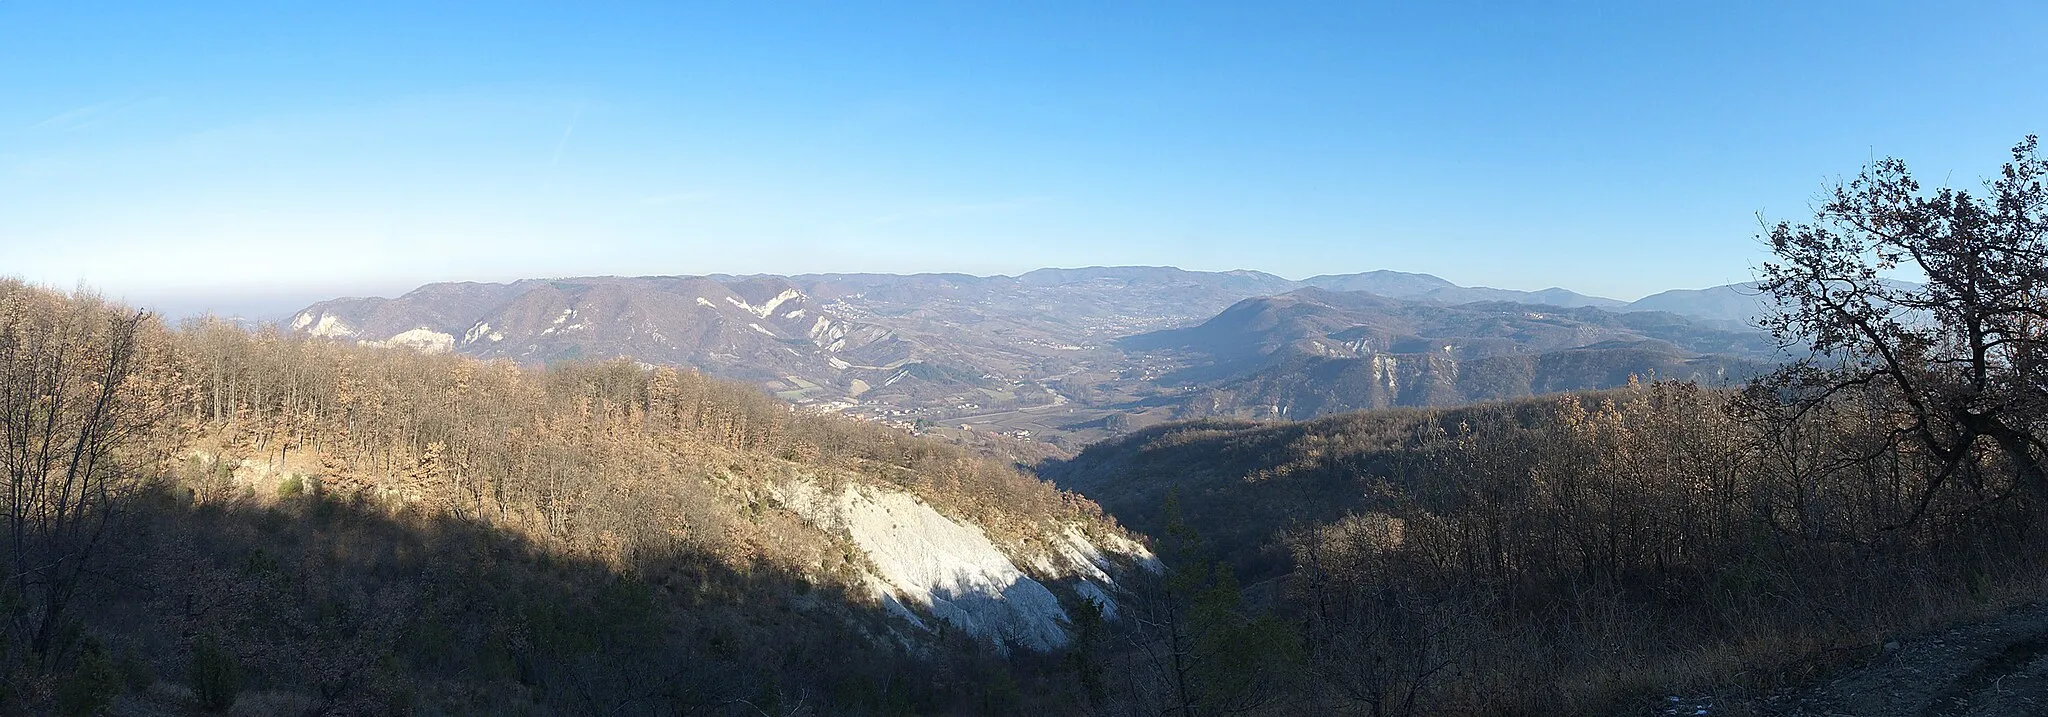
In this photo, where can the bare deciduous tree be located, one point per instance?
(77, 384)
(1962, 360)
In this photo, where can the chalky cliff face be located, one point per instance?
(923, 565)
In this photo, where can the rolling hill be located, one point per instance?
(1313, 352)
(1051, 353)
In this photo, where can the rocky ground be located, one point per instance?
(1997, 666)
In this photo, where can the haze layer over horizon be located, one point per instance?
(222, 150)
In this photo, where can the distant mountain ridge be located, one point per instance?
(1058, 341)
(930, 339)
(1312, 352)
(1742, 302)
(1740, 305)
(1425, 287)
(1365, 321)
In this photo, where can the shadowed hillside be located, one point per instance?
(324, 604)
(1585, 553)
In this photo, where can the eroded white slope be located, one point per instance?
(423, 339)
(325, 324)
(949, 569)
(767, 307)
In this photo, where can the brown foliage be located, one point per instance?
(85, 387)
(608, 456)
(1581, 552)
(365, 529)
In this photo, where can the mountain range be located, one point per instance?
(1059, 351)
(1312, 352)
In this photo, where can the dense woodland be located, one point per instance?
(1580, 554)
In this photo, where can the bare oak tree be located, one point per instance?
(1959, 361)
(72, 399)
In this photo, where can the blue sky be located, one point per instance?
(216, 152)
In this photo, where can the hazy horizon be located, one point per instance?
(220, 154)
(277, 303)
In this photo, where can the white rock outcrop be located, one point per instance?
(423, 339)
(325, 325)
(951, 570)
(765, 308)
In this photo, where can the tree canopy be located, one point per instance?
(1957, 359)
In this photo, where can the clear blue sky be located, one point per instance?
(199, 149)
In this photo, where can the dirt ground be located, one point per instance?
(1993, 667)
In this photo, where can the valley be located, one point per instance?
(1062, 357)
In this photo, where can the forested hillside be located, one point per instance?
(1578, 553)
(1587, 553)
(211, 519)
